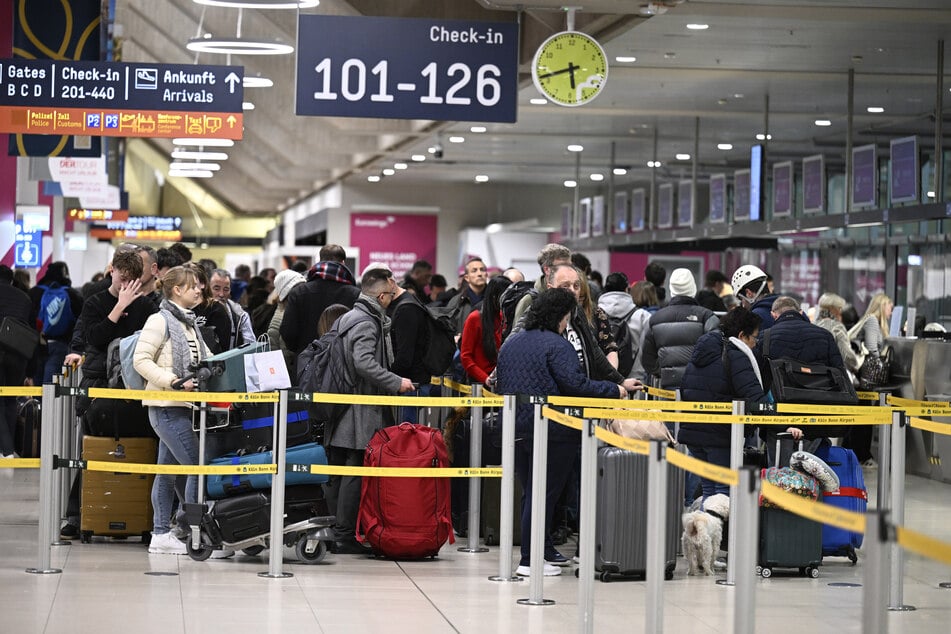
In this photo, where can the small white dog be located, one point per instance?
(703, 530)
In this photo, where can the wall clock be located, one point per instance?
(570, 68)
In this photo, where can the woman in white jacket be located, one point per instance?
(168, 347)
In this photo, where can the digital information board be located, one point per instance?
(665, 206)
(864, 176)
(813, 184)
(903, 170)
(685, 208)
(139, 228)
(620, 212)
(782, 189)
(638, 208)
(717, 198)
(407, 68)
(120, 99)
(741, 195)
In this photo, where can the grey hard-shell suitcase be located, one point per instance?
(621, 524)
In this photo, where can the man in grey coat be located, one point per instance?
(366, 339)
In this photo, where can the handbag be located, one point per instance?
(641, 429)
(266, 371)
(877, 369)
(18, 338)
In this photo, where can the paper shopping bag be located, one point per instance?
(266, 371)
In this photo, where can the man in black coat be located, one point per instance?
(15, 304)
(328, 282)
(409, 333)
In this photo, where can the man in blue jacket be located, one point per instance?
(749, 284)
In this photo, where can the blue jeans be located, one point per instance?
(411, 414)
(56, 352)
(178, 444)
(714, 455)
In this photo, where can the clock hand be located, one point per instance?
(571, 73)
(569, 69)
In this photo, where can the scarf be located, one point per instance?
(176, 320)
(333, 271)
(376, 309)
(745, 349)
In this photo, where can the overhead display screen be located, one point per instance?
(813, 184)
(903, 170)
(782, 189)
(864, 176)
(665, 206)
(718, 198)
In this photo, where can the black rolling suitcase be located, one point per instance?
(621, 518)
(27, 439)
(491, 507)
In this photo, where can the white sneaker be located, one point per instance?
(166, 544)
(870, 464)
(10, 455)
(548, 570)
(224, 553)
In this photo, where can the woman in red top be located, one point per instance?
(482, 333)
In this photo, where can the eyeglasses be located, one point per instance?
(390, 293)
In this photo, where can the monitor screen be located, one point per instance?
(782, 189)
(813, 184)
(685, 204)
(741, 195)
(903, 170)
(620, 212)
(638, 205)
(756, 182)
(864, 176)
(718, 198)
(665, 206)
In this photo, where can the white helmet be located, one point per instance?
(746, 275)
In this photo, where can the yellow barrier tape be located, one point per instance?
(703, 469)
(925, 411)
(177, 469)
(20, 463)
(194, 397)
(927, 425)
(563, 419)
(631, 444)
(409, 472)
(659, 393)
(902, 402)
(867, 396)
(805, 421)
(436, 380)
(816, 511)
(857, 410)
(489, 394)
(418, 401)
(922, 544)
(726, 419)
(614, 403)
(21, 391)
(459, 387)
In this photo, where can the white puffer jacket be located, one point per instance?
(153, 357)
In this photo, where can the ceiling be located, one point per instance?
(761, 63)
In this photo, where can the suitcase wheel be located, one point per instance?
(605, 577)
(811, 572)
(253, 551)
(201, 553)
(765, 572)
(85, 537)
(309, 552)
(146, 537)
(852, 555)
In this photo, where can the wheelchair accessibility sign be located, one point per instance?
(27, 248)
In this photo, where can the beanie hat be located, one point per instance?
(682, 283)
(285, 281)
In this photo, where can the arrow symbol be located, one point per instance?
(231, 121)
(231, 80)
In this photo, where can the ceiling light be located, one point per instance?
(619, 171)
(247, 105)
(670, 55)
(389, 171)
(574, 147)
(259, 4)
(481, 178)
(724, 146)
(823, 123)
(419, 158)
(200, 155)
(373, 178)
(764, 137)
(400, 166)
(930, 194)
(538, 101)
(738, 95)
(682, 157)
(477, 129)
(257, 82)
(178, 165)
(191, 173)
(654, 163)
(625, 59)
(205, 142)
(570, 183)
(238, 46)
(875, 109)
(698, 27)
(597, 178)
(457, 139)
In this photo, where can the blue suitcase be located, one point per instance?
(220, 486)
(852, 496)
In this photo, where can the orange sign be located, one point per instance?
(124, 123)
(99, 215)
(132, 234)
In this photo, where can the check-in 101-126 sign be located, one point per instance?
(120, 99)
(407, 68)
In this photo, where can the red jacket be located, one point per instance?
(470, 347)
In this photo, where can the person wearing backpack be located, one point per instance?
(619, 306)
(366, 356)
(410, 336)
(57, 306)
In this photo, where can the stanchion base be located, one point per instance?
(902, 608)
(61, 542)
(283, 575)
(47, 571)
(505, 579)
(945, 584)
(530, 602)
(473, 550)
(724, 582)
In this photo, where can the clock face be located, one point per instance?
(570, 68)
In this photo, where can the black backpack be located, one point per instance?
(625, 345)
(440, 343)
(509, 300)
(322, 367)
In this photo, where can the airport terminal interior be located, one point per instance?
(805, 138)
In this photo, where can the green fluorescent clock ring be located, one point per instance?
(570, 68)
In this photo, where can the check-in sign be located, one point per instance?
(402, 68)
(120, 99)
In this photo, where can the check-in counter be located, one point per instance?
(930, 379)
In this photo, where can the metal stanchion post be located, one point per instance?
(656, 535)
(539, 486)
(475, 484)
(47, 421)
(586, 528)
(884, 459)
(897, 501)
(276, 550)
(66, 443)
(736, 461)
(507, 493)
(58, 432)
(875, 586)
(747, 521)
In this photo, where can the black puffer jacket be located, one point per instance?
(672, 333)
(794, 337)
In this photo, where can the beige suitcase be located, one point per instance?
(117, 504)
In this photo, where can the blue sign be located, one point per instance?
(27, 248)
(120, 86)
(407, 68)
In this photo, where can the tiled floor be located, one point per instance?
(104, 588)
